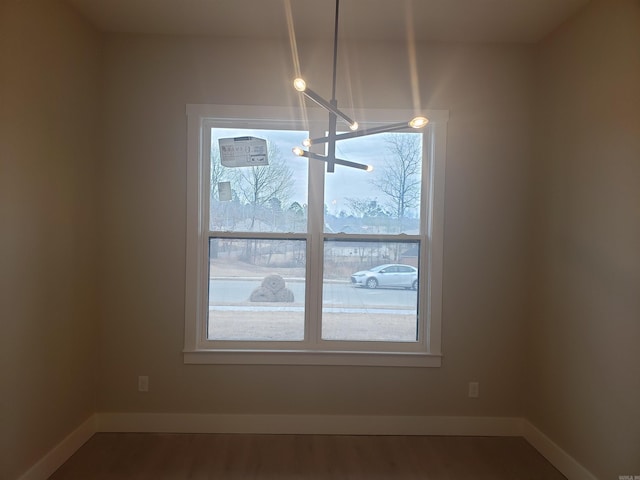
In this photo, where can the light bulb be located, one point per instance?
(306, 142)
(354, 126)
(298, 151)
(418, 122)
(369, 168)
(299, 84)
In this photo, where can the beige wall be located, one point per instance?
(542, 310)
(48, 150)
(149, 81)
(585, 327)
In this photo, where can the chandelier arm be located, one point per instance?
(331, 145)
(338, 161)
(327, 105)
(394, 127)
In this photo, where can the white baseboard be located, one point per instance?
(560, 459)
(48, 464)
(307, 424)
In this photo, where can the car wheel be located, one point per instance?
(414, 285)
(372, 283)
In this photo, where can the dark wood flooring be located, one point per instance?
(125, 456)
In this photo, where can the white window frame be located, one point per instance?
(426, 352)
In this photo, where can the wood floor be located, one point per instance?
(125, 456)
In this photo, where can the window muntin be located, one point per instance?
(313, 349)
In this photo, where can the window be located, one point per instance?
(289, 264)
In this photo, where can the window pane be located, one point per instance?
(370, 291)
(269, 198)
(256, 289)
(386, 200)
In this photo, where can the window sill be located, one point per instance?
(301, 357)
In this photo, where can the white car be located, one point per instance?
(389, 275)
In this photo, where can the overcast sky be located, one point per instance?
(344, 183)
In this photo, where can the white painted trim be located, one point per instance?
(329, 357)
(59, 454)
(309, 424)
(560, 459)
(425, 352)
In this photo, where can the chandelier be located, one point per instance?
(331, 107)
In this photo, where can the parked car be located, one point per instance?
(388, 275)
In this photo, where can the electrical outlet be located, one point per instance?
(474, 389)
(143, 383)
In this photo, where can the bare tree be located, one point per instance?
(365, 207)
(399, 179)
(260, 185)
(217, 171)
(217, 174)
(297, 214)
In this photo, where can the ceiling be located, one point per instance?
(432, 20)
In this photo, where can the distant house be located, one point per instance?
(410, 256)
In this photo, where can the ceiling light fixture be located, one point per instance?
(332, 107)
